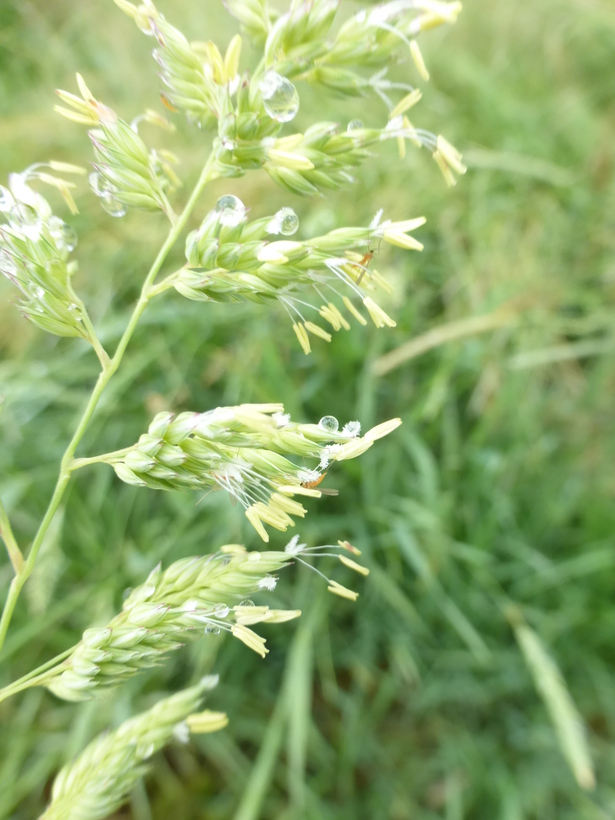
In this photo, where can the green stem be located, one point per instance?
(35, 677)
(6, 533)
(105, 458)
(208, 173)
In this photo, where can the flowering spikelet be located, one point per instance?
(126, 173)
(231, 259)
(34, 254)
(98, 782)
(194, 596)
(243, 450)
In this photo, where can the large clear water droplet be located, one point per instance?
(99, 185)
(113, 207)
(231, 211)
(285, 222)
(221, 611)
(329, 423)
(62, 233)
(355, 125)
(280, 97)
(247, 602)
(212, 629)
(6, 200)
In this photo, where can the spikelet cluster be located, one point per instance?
(126, 173)
(97, 783)
(194, 596)
(244, 450)
(250, 110)
(231, 259)
(35, 246)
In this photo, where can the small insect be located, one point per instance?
(364, 264)
(310, 485)
(165, 101)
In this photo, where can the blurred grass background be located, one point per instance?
(415, 703)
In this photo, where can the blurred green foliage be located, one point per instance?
(414, 703)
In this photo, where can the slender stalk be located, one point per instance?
(208, 173)
(6, 533)
(35, 677)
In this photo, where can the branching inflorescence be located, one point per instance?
(252, 451)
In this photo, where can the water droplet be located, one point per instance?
(228, 144)
(6, 200)
(39, 292)
(355, 125)
(285, 222)
(221, 610)
(280, 97)
(62, 233)
(231, 211)
(113, 207)
(212, 629)
(127, 593)
(99, 185)
(329, 423)
(247, 602)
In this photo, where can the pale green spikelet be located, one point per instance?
(35, 246)
(126, 173)
(194, 596)
(244, 450)
(231, 259)
(100, 779)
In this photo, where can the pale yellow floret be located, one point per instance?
(297, 489)
(301, 334)
(207, 721)
(446, 171)
(288, 505)
(250, 638)
(85, 91)
(451, 155)
(348, 546)
(330, 317)
(406, 103)
(276, 252)
(401, 240)
(343, 592)
(63, 187)
(280, 616)
(419, 62)
(274, 517)
(335, 313)
(379, 317)
(348, 562)
(381, 430)
(231, 58)
(249, 615)
(318, 331)
(233, 549)
(287, 159)
(253, 518)
(289, 142)
(351, 449)
(66, 167)
(441, 13)
(352, 309)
